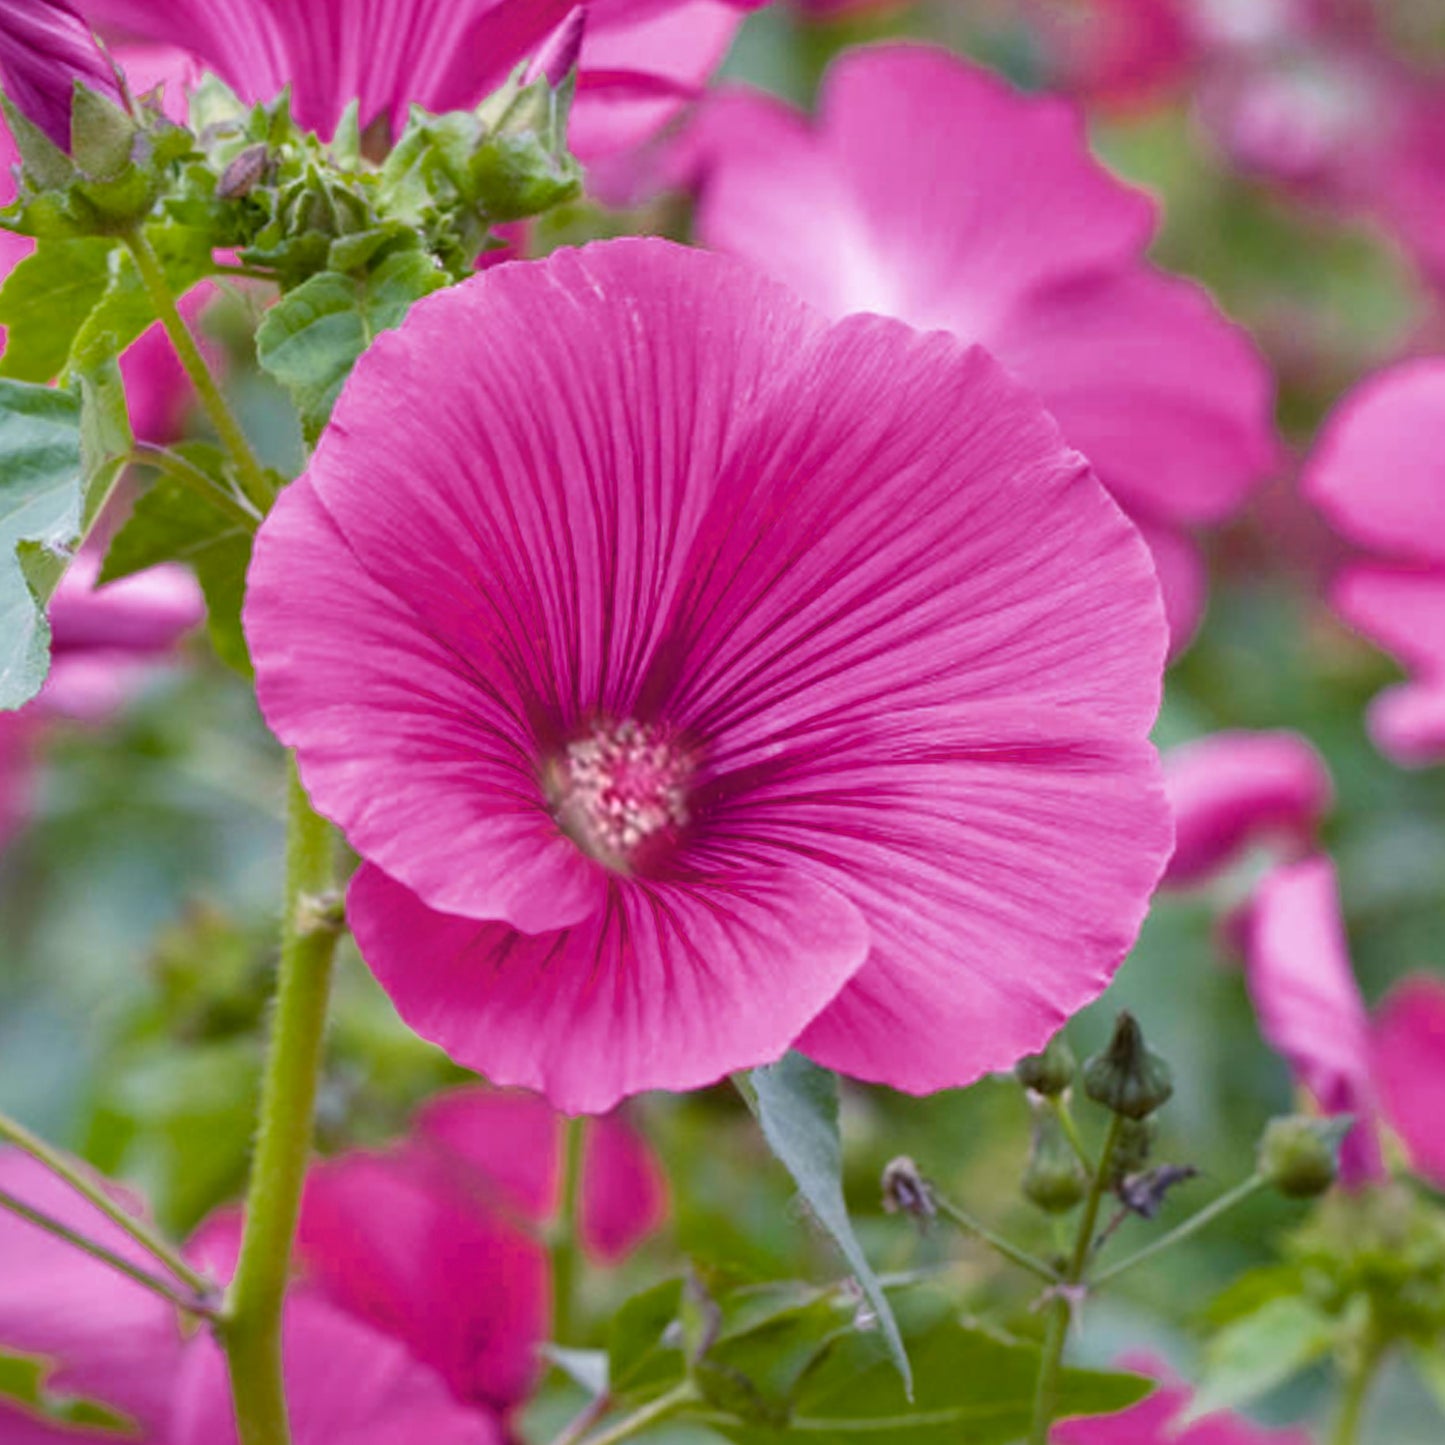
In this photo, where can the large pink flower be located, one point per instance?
(1378, 473)
(929, 190)
(114, 1343)
(387, 1236)
(695, 675)
(640, 58)
(1230, 790)
(1155, 1421)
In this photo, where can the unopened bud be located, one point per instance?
(46, 50)
(1128, 1077)
(1054, 1179)
(906, 1191)
(1132, 1146)
(1050, 1072)
(1300, 1155)
(557, 57)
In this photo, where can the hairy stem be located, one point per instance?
(563, 1233)
(1051, 1362)
(228, 429)
(979, 1230)
(252, 1333)
(153, 1282)
(1192, 1225)
(75, 1174)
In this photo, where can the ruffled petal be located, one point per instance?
(345, 1385)
(1409, 1057)
(403, 1243)
(1378, 471)
(1231, 789)
(1172, 404)
(669, 987)
(1297, 965)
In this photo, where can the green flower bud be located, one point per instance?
(1050, 1072)
(1054, 1180)
(1300, 1156)
(1127, 1077)
(1132, 1147)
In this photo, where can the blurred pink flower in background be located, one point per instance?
(1378, 474)
(640, 59)
(1155, 1421)
(739, 641)
(421, 1301)
(1409, 1057)
(930, 190)
(1118, 53)
(1233, 790)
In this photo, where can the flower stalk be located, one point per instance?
(564, 1232)
(252, 1325)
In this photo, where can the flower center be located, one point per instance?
(618, 789)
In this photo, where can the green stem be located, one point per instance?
(564, 1231)
(252, 1333)
(1192, 1225)
(1051, 1363)
(96, 1250)
(153, 278)
(1065, 1116)
(1357, 1388)
(179, 469)
(1010, 1251)
(653, 1414)
(75, 1175)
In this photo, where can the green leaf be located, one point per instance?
(970, 1388)
(1429, 1363)
(172, 522)
(44, 302)
(42, 507)
(1259, 1351)
(796, 1103)
(315, 334)
(587, 1368)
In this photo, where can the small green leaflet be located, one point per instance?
(314, 335)
(796, 1103)
(45, 301)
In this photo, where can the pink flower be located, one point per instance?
(1297, 965)
(673, 657)
(930, 190)
(391, 53)
(1233, 789)
(386, 1236)
(46, 49)
(1378, 473)
(1409, 1057)
(1121, 53)
(1152, 1421)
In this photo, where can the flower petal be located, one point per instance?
(1297, 965)
(1401, 608)
(669, 987)
(1409, 1057)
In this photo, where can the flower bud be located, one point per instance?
(906, 1191)
(1054, 1179)
(1300, 1156)
(46, 50)
(557, 57)
(1050, 1072)
(1128, 1077)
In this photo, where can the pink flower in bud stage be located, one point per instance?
(930, 190)
(1297, 966)
(1378, 474)
(1155, 1421)
(46, 48)
(697, 677)
(640, 60)
(1230, 790)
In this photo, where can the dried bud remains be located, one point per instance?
(906, 1191)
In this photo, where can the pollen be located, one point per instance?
(619, 790)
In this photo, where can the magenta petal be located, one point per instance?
(1410, 1070)
(111, 1340)
(668, 987)
(1310, 1011)
(405, 1246)
(1183, 580)
(1378, 471)
(1401, 608)
(1408, 723)
(1171, 403)
(1231, 789)
(345, 1385)
(511, 1142)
